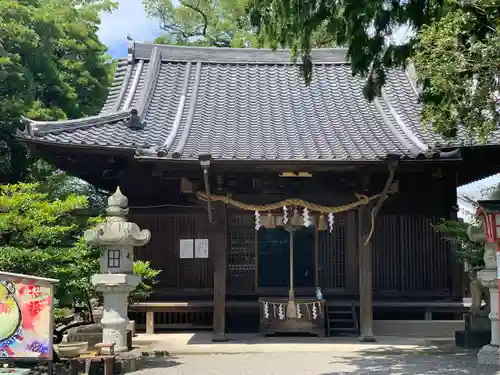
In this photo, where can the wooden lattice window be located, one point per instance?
(332, 256)
(241, 253)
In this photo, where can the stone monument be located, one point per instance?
(489, 354)
(117, 238)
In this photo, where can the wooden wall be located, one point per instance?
(178, 275)
(405, 247)
(409, 256)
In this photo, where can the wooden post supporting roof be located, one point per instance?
(366, 220)
(365, 277)
(220, 265)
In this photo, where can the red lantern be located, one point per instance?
(489, 211)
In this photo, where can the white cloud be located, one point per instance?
(129, 18)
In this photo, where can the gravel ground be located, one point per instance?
(317, 363)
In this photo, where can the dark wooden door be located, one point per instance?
(303, 257)
(274, 257)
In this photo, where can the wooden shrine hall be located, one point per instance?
(272, 204)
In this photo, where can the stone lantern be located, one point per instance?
(489, 213)
(117, 238)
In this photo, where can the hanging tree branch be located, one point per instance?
(393, 164)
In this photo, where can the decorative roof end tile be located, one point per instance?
(134, 122)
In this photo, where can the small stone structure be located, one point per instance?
(489, 354)
(117, 238)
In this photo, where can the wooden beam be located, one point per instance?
(366, 222)
(365, 277)
(150, 322)
(220, 270)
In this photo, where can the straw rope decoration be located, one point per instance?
(362, 200)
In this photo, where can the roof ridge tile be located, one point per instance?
(143, 51)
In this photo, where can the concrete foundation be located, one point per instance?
(418, 328)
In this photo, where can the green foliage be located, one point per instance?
(41, 237)
(221, 23)
(458, 41)
(467, 251)
(52, 66)
(149, 279)
(365, 27)
(457, 58)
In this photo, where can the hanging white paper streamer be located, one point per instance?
(331, 221)
(299, 314)
(285, 215)
(306, 217)
(257, 220)
(281, 312)
(314, 312)
(266, 310)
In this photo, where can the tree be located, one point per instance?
(42, 237)
(52, 66)
(458, 60)
(221, 23)
(367, 29)
(466, 251)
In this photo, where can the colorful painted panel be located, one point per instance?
(25, 318)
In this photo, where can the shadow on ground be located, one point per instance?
(205, 338)
(426, 361)
(156, 363)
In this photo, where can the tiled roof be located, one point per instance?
(241, 104)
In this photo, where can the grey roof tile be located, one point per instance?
(244, 104)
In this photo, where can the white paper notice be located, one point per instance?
(186, 249)
(201, 248)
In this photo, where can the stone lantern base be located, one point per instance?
(489, 355)
(115, 289)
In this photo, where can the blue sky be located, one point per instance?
(128, 19)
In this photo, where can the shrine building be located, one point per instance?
(275, 205)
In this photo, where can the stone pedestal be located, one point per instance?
(489, 354)
(115, 289)
(117, 238)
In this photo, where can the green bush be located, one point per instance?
(40, 236)
(467, 251)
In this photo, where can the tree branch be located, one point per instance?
(200, 12)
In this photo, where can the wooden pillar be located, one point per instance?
(150, 322)
(220, 267)
(365, 276)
